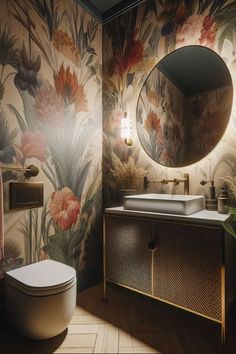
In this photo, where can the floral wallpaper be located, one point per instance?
(50, 84)
(161, 120)
(169, 121)
(132, 46)
(215, 109)
(61, 77)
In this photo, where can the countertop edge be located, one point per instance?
(203, 216)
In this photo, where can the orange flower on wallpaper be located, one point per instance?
(49, 106)
(181, 13)
(64, 208)
(153, 98)
(67, 86)
(125, 59)
(33, 144)
(152, 122)
(64, 44)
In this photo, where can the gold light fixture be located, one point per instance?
(126, 130)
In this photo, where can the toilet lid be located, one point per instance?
(42, 278)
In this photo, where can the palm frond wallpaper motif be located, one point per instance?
(50, 82)
(133, 44)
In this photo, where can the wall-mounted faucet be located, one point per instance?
(176, 181)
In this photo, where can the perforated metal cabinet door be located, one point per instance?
(128, 259)
(187, 266)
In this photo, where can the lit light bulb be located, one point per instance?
(125, 130)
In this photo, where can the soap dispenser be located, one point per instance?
(222, 201)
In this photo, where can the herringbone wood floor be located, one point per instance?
(127, 323)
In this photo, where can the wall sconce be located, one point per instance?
(125, 130)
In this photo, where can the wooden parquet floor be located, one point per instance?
(127, 323)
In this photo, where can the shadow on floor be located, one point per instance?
(163, 327)
(140, 320)
(11, 342)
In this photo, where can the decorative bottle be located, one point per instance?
(222, 201)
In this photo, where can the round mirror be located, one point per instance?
(184, 106)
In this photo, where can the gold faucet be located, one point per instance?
(176, 181)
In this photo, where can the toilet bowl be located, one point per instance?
(40, 298)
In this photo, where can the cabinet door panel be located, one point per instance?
(187, 267)
(128, 259)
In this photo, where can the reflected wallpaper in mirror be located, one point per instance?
(184, 106)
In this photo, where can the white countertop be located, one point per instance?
(203, 216)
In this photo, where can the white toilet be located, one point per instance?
(40, 298)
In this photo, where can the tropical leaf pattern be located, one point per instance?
(51, 79)
(51, 65)
(133, 44)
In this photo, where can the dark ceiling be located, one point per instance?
(105, 10)
(195, 69)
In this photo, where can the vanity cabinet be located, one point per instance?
(187, 266)
(185, 261)
(128, 260)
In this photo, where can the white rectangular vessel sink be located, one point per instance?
(165, 203)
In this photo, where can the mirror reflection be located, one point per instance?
(184, 106)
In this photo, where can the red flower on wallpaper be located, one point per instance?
(152, 122)
(67, 86)
(49, 107)
(208, 32)
(181, 13)
(125, 59)
(33, 144)
(64, 208)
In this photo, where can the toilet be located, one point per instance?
(40, 298)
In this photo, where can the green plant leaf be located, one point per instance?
(19, 118)
(8, 52)
(7, 136)
(228, 228)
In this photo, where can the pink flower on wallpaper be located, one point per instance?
(49, 106)
(64, 208)
(190, 31)
(198, 29)
(33, 144)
